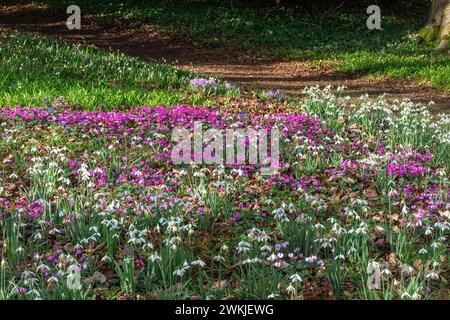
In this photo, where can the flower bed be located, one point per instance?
(98, 190)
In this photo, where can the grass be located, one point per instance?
(337, 35)
(38, 68)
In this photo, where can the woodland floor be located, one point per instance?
(144, 41)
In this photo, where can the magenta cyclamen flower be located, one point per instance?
(234, 217)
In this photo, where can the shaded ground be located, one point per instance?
(145, 41)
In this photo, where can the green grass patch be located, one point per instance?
(36, 68)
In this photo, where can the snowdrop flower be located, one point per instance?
(106, 258)
(198, 262)
(154, 257)
(148, 245)
(432, 275)
(340, 256)
(272, 257)
(435, 245)
(319, 226)
(42, 268)
(256, 260)
(291, 289)
(243, 247)
(416, 296)
(52, 279)
(405, 295)
(38, 236)
(296, 278)
(219, 258)
(179, 272)
(20, 250)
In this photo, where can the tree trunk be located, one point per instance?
(437, 29)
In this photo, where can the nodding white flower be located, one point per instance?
(52, 279)
(219, 258)
(291, 289)
(20, 250)
(154, 257)
(416, 296)
(327, 243)
(341, 256)
(256, 260)
(405, 295)
(179, 272)
(148, 245)
(423, 251)
(106, 258)
(224, 248)
(42, 267)
(405, 209)
(428, 231)
(435, 245)
(296, 278)
(198, 262)
(199, 174)
(272, 257)
(38, 236)
(273, 296)
(319, 226)
(3, 264)
(243, 247)
(35, 293)
(432, 275)
(266, 248)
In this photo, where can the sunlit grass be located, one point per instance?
(37, 68)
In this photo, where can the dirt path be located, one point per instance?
(144, 41)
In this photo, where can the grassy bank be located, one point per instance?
(38, 68)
